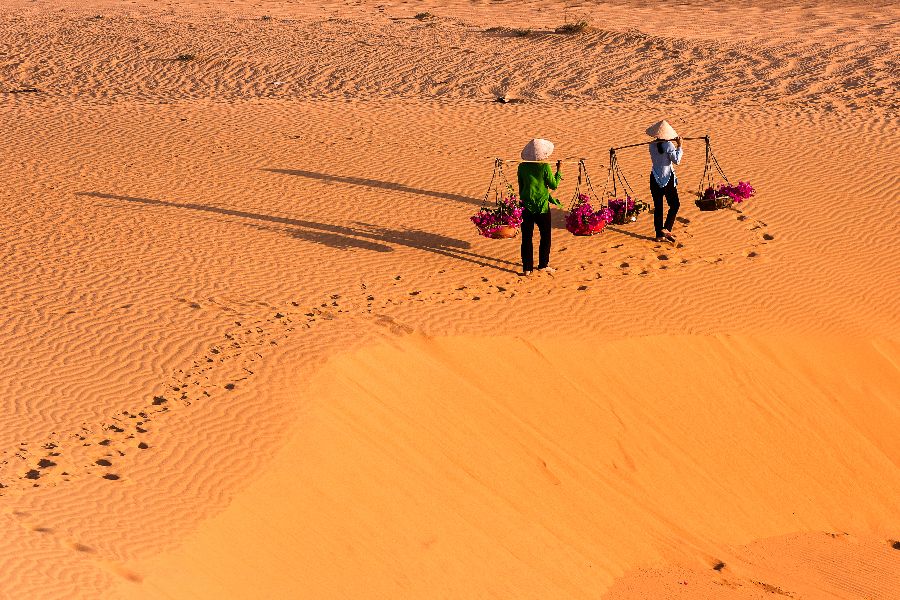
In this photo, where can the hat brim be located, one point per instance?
(537, 150)
(662, 131)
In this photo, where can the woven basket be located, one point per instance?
(625, 217)
(505, 232)
(719, 202)
(585, 231)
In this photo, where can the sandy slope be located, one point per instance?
(434, 468)
(210, 282)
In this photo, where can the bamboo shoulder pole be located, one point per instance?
(684, 139)
(566, 161)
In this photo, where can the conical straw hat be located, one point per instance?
(662, 131)
(537, 149)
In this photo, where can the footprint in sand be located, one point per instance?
(398, 329)
(119, 435)
(549, 474)
(772, 589)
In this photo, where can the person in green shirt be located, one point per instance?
(536, 179)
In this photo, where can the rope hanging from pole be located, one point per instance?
(587, 179)
(626, 208)
(584, 178)
(709, 197)
(710, 169)
(617, 177)
(503, 218)
(498, 176)
(584, 218)
(576, 195)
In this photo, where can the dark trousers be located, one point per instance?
(529, 220)
(671, 194)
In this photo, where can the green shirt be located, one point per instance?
(535, 182)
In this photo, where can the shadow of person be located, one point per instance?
(556, 222)
(361, 236)
(338, 241)
(413, 238)
(630, 234)
(375, 183)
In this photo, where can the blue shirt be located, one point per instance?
(663, 161)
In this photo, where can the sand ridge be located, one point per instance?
(799, 57)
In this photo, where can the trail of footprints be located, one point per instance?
(101, 449)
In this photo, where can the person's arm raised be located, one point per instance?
(676, 154)
(552, 179)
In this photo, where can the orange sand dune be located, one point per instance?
(504, 467)
(252, 346)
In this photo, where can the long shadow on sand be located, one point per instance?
(557, 223)
(630, 234)
(375, 183)
(364, 236)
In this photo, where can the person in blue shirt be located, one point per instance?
(663, 181)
